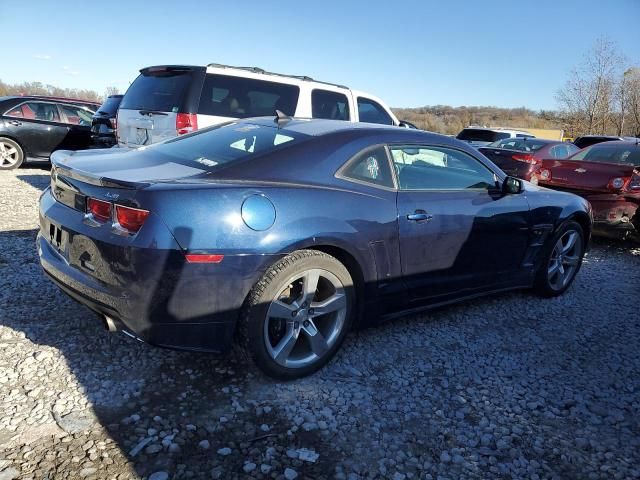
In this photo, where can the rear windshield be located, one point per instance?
(479, 135)
(583, 142)
(159, 91)
(237, 97)
(520, 144)
(213, 147)
(606, 153)
(110, 106)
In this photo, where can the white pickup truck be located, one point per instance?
(169, 100)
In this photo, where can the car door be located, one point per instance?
(79, 120)
(38, 127)
(458, 234)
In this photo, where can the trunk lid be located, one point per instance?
(585, 175)
(111, 175)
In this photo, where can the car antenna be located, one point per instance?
(281, 118)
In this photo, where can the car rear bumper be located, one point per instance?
(615, 215)
(150, 293)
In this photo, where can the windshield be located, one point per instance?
(624, 153)
(481, 135)
(520, 144)
(225, 144)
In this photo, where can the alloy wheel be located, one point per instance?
(305, 319)
(565, 259)
(9, 155)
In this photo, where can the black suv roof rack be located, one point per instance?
(264, 72)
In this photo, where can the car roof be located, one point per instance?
(497, 129)
(50, 98)
(616, 143)
(318, 127)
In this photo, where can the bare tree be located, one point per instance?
(586, 99)
(632, 95)
(111, 90)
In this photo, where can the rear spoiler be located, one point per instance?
(62, 165)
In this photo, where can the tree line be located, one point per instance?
(39, 88)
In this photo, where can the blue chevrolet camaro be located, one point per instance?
(282, 234)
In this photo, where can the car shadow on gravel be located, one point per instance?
(108, 406)
(37, 181)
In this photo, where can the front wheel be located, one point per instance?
(11, 155)
(298, 314)
(562, 260)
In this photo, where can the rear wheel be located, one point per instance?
(11, 154)
(562, 261)
(298, 314)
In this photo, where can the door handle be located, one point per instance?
(419, 216)
(15, 123)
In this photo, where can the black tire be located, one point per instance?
(16, 158)
(542, 284)
(252, 328)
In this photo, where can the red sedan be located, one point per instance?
(522, 157)
(608, 176)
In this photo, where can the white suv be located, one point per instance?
(169, 100)
(481, 136)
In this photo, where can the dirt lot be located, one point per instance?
(506, 387)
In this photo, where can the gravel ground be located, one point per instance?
(510, 386)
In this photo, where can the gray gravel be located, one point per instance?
(510, 386)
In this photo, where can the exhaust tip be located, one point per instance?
(110, 324)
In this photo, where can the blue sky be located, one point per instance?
(410, 53)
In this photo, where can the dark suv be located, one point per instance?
(31, 127)
(103, 126)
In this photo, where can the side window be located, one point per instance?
(21, 111)
(330, 105)
(75, 115)
(439, 168)
(372, 112)
(572, 149)
(561, 151)
(238, 97)
(44, 111)
(370, 166)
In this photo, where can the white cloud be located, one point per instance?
(41, 56)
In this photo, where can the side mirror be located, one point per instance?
(512, 185)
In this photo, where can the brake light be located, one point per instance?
(203, 258)
(131, 219)
(634, 183)
(545, 174)
(100, 209)
(618, 183)
(186, 123)
(526, 158)
(114, 122)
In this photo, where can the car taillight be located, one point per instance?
(130, 219)
(618, 183)
(545, 174)
(186, 123)
(100, 209)
(526, 158)
(114, 122)
(634, 183)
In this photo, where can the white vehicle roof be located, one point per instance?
(261, 74)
